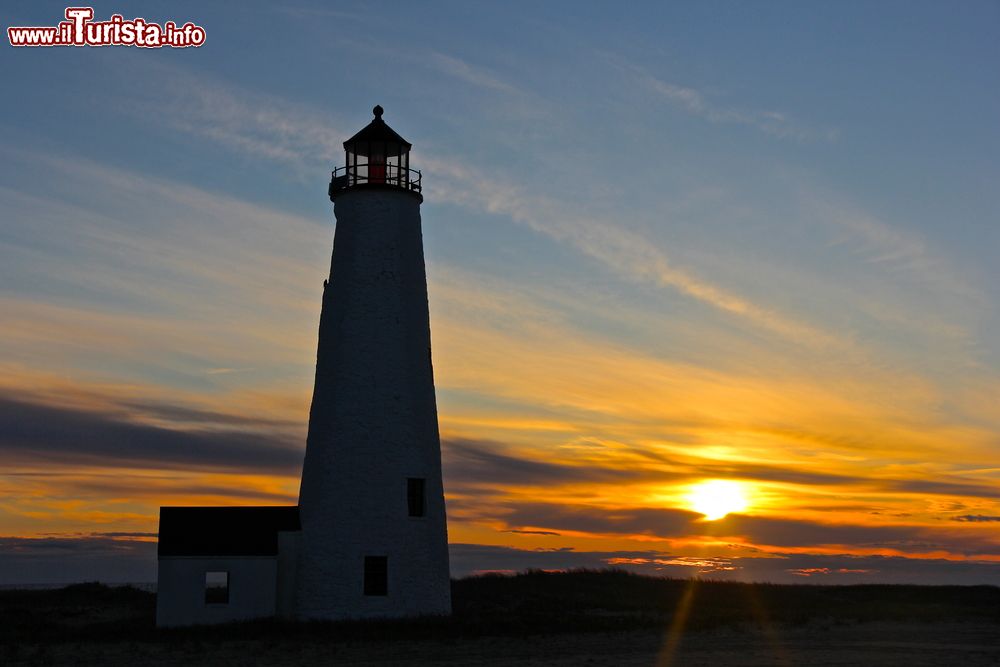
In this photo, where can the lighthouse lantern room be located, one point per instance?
(376, 155)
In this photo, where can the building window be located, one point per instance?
(415, 496)
(376, 575)
(216, 588)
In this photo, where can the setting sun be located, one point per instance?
(716, 498)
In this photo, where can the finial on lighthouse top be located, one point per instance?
(376, 156)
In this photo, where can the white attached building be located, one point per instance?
(219, 564)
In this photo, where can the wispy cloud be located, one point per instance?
(290, 134)
(685, 530)
(251, 123)
(469, 73)
(264, 126)
(38, 433)
(176, 262)
(896, 249)
(699, 103)
(624, 251)
(272, 128)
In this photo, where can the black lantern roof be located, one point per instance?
(377, 133)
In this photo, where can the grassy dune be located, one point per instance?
(537, 615)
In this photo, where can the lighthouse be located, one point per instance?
(369, 536)
(373, 536)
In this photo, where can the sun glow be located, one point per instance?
(718, 497)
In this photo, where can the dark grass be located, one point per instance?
(530, 603)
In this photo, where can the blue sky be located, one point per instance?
(676, 240)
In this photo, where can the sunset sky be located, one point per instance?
(750, 245)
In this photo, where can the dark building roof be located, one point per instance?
(224, 531)
(377, 132)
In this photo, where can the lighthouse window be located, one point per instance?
(415, 496)
(376, 575)
(216, 588)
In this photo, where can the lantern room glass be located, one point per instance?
(383, 162)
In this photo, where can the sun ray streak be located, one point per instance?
(678, 623)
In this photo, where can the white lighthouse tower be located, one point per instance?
(374, 536)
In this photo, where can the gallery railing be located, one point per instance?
(375, 174)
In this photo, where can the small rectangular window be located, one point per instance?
(415, 496)
(376, 575)
(216, 588)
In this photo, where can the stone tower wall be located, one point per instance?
(373, 422)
